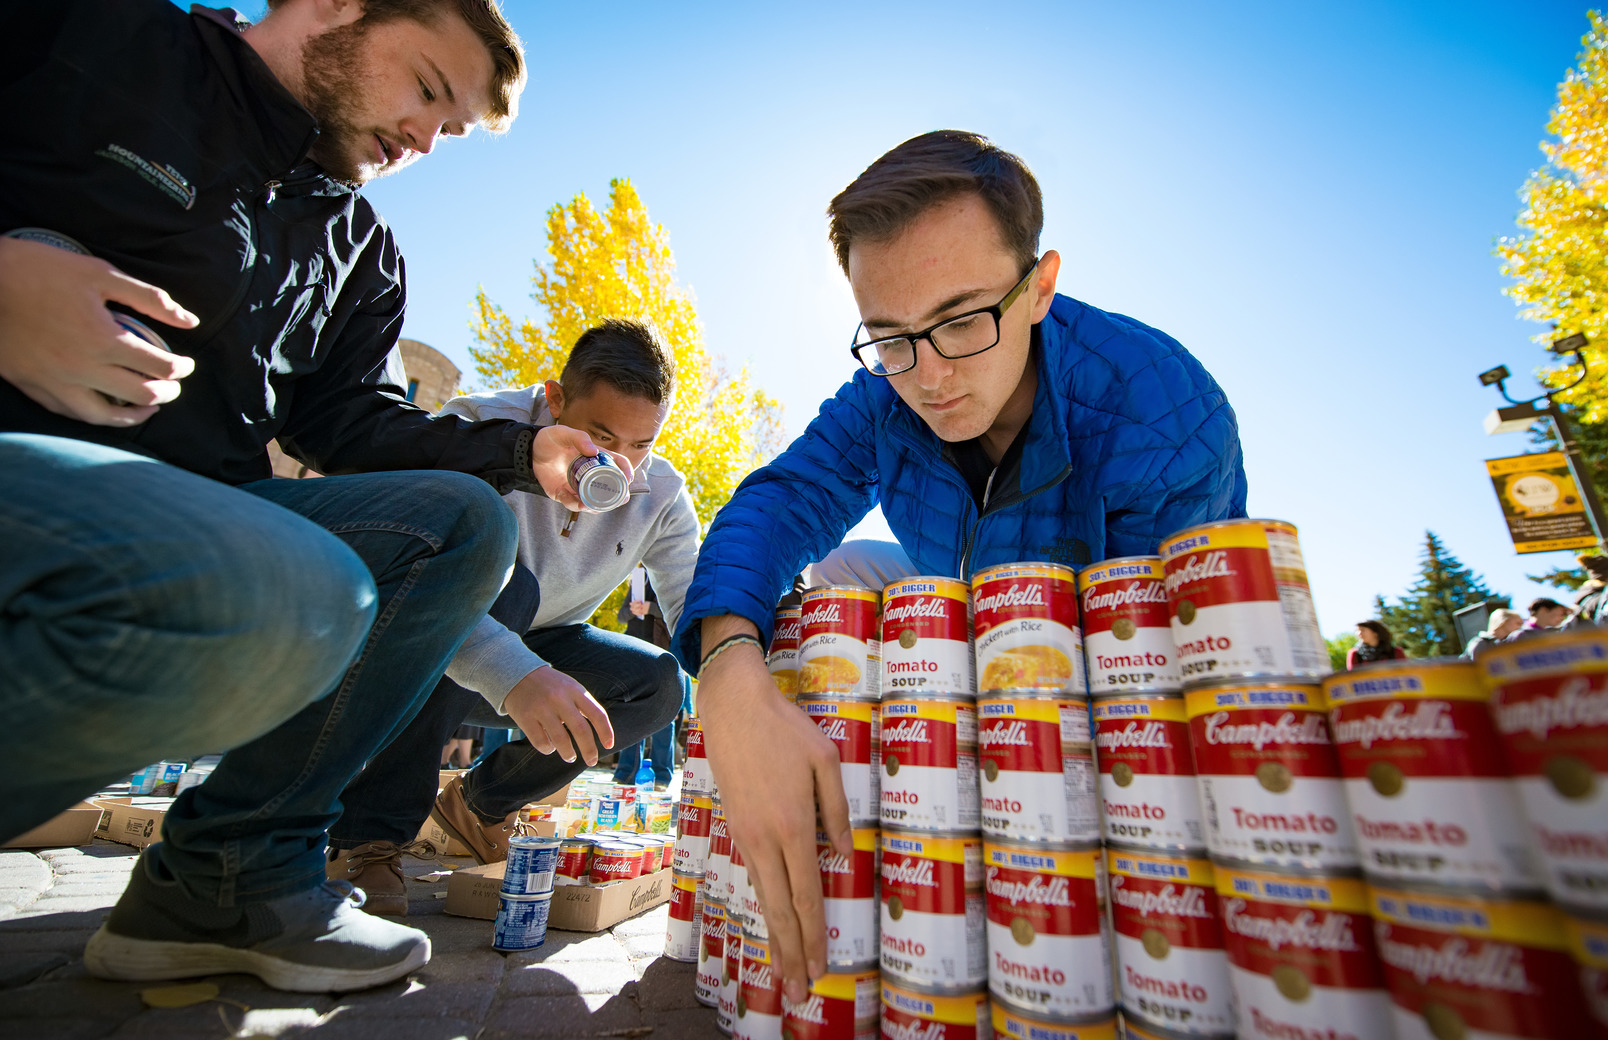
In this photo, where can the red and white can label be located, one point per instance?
(1038, 775)
(696, 776)
(849, 898)
(575, 858)
(842, 1006)
(1269, 777)
(1239, 602)
(929, 765)
(1430, 797)
(730, 973)
(684, 936)
(840, 651)
(926, 637)
(740, 903)
(932, 910)
(909, 1014)
(759, 994)
(1301, 956)
(711, 954)
(1147, 777)
(717, 868)
(1010, 1024)
(615, 861)
(1475, 968)
(1127, 633)
(856, 728)
(1588, 942)
(1549, 699)
(783, 656)
(692, 836)
(1171, 967)
(1049, 944)
(1026, 620)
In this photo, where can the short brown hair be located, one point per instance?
(488, 23)
(627, 355)
(933, 168)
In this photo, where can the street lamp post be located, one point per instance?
(1521, 415)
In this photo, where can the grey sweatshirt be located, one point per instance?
(657, 526)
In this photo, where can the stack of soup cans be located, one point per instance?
(697, 902)
(527, 894)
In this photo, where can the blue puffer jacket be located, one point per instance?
(1130, 440)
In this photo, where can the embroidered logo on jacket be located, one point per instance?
(164, 177)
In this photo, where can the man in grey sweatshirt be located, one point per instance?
(534, 662)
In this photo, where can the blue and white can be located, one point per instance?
(521, 922)
(532, 862)
(598, 482)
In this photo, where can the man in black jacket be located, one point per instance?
(161, 596)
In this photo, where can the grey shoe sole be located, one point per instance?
(113, 956)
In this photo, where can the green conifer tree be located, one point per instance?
(1422, 620)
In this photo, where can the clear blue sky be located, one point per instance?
(1305, 195)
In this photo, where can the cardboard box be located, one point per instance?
(76, 826)
(128, 824)
(472, 892)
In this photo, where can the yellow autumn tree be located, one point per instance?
(617, 263)
(1560, 263)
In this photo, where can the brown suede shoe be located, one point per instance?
(486, 842)
(376, 868)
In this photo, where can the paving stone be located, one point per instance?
(422, 998)
(567, 977)
(565, 1017)
(582, 947)
(464, 966)
(59, 1029)
(18, 968)
(662, 989)
(685, 1024)
(50, 904)
(649, 922)
(643, 947)
(343, 1026)
(89, 998)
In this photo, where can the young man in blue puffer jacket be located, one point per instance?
(993, 420)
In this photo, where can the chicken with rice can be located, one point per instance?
(1148, 789)
(1027, 635)
(1049, 942)
(926, 637)
(1037, 764)
(855, 728)
(782, 657)
(1127, 632)
(929, 765)
(840, 648)
(933, 909)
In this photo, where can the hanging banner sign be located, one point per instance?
(1541, 503)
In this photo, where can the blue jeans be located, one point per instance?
(153, 613)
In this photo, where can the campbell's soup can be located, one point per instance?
(1549, 699)
(730, 974)
(717, 867)
(1301, 954)
(849, 899)
(711, 954)
(615, 861)
(1588, 943)
(1476, 967)
(840, 648)
(840, 1006)
(759, 993)
(1037, 766)
(1049, 943)
(1240, 606)
(1127, 632)
(856, 728)
(575, 858)
(914, 1013)
(926, 637)
(1136, 1027)
(692, 834)
(684, 935)
(1431, 801)
(933, 910)
(782, 658)
(696, 776)
(1268, 774)
(1013, 1023)
(929, 764)
(1171, 968)
(745, 901)
(1027, 635)
(1147, 775)
(735, 907)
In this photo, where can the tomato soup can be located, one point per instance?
(575, 858)
(1431, 801)
(615, 861)
(1549, 699)
(684, 935)
(1588, 942)
(759, 993)
(929, 765)
(1239, 602)
(1476, 966)
(1027, 635)
(730, 973)
(734, 888)
(1147, 776)
(1301, 954)
(840, 648)
(782, 657)
(856, 728)
(1049, 942)
(717, 868)
(531, 864)
(933, 908)
(692, 834)
(1014, 1023)
(916, 1013)
(1037, 766)
(1171, 968)
(840, 1006)
(849, 899)
(1136, 1027)
(711, 954)
(1127, 632)
(1268, 774)
(745, 901)
(521, 922)
(696, 776)
(926, 637)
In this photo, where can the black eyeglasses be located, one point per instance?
(957, 337)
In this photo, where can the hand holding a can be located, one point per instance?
(551, 454)
(556, 712)
(60, 345)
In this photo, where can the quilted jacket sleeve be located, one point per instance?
(787, 514)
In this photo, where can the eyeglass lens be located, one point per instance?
(967, 334)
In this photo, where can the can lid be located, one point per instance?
(604, 488)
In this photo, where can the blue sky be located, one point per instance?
(1305, 195)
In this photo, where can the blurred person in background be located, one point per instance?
(1589, 600)
(1503, 625)
(1546, 613)
(1374, 643)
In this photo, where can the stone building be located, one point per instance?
(430, 379)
